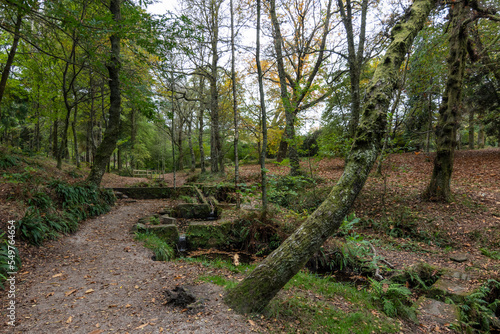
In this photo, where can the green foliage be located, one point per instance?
(283, 190)
(334, 139)
(7, 161)
(154, 220)
(10, 261)
(481, 307)
(162, 250)
(187, 199)
(492, 254)
(219, 263)
(45, 220)
(319, 315)
(256, 233)
(41, 201)
(420, 276)
(393, 298)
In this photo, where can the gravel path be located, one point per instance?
(100, 280)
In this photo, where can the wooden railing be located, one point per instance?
(148, 173)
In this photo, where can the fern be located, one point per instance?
(481, 306)
(5, 258)
(393, 298)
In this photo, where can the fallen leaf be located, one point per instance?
(97, 331)
(70, 292)
(57, 275)
(89, 291)
(142, 326)
(70, 319)
(251, 322)
(49, 294)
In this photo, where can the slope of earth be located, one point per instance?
(100, 281)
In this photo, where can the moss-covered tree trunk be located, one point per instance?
(446, 129)
(112, 133)
(262, 284)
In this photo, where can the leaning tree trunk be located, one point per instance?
(256, 290)
(112, 133)
(446, 129)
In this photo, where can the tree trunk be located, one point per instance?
(283, 147)
(263, 174)
(257, 289)
(55, 135)
(200, 130)
(480, 135)
(112, 132)
(235, 109)
(10, 57)
(190, 142)
(446, 129)
(471, 128)
(429, 123)
(354, 59)
(75, 139)
(215, 144)
(285, 98)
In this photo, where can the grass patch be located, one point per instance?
(161, 249)
(220, 264)
(360, 313)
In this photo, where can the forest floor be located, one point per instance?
(99, 280)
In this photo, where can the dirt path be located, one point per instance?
(100, 281)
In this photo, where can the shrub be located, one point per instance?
(7, 255)
(393, 298)
(46, 220)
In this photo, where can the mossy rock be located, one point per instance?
(156, 192)
(445, 287)
(192, 211)
(436, 311)
(203, 235)
(167, 232)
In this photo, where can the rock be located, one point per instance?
(209, 235)
(436, 311)
(447, 287)
(166, 219)
(458, 275)
(139, 227)
(179, 297)
(459, 257)
(166, 232)
(190, 211)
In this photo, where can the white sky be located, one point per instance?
(162, 6)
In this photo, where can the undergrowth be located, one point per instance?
(60, 209)
(10, 260)
(481, 308)
(161, 249)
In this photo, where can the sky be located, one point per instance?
(162, 6)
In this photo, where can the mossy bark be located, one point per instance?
(262, 284)
(446, 129)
